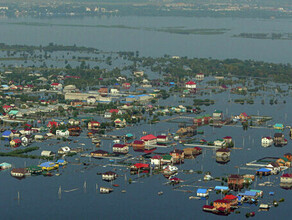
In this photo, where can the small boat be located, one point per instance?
(160, 193)
(116, 185)
(123, 191)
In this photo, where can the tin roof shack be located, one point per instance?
(109, 176)
(93, 125)
(138, 145)
(222, 205)
(279, 139)
(177, 156)
(263, 172)
(120, 148)
(286, 178)
(232, 199)
(99, 153)
(235, 182)
(202, 192)
(149, 139)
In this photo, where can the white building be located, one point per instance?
(267, 141)
(62, 133)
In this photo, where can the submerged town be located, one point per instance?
(207, 129)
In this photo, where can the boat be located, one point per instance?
(160, 193)
(116, 185)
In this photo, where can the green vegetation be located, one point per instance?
(22, 153)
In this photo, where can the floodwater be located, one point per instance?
(39, 195)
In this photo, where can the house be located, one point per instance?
(288, 156)
(109, 176)
(177, 156)
(200, 76)
(34, 170)
(243, 116)
(279, 139)
(103, 91)
(235, 182)
(232, 199)
(56, 86)
(156, 160)
(138, 145)
(283, 162)
(202, 192)
(74, 131)
(7, 135)
(220, 143)
(189, 152)
(7, 108)
(198, 121)
(47, 153)
(47, 166)
(120, 148)
(62, 133)
(278, 126)
(90, 100)
(120, 122)
(15, 143)
(274, 167)
(191, 85)
(221, 203)
(73, 122)
(285, 178)
(228, 140)
(223, 152)
(111, 112)
(166, 159)
(162, 139)
(149, 139)
(140, 167)
(114, 91)
(126, 85)
(263, 172)
(99, 153)
(4, 166)
(267, 141)
(221, 188)
(93, 125)
(61, 162)
(217, 115)
(188, 131)
(138, 73)
(19, 172)
(64, 150)
(52, 124)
